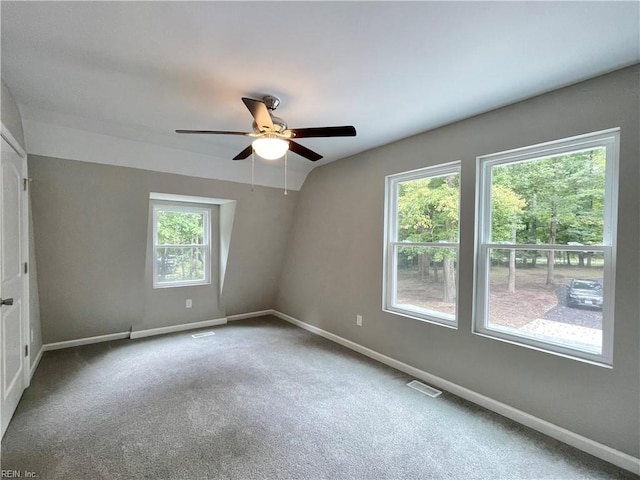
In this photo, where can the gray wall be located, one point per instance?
(12, 119)
(333, 269)
(91, 224)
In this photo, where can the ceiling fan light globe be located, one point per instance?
(270, 148)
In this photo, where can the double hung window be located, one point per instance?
(422, 243)
(545, 246)
(181, 245)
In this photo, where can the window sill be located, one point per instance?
(427, 319)
(181, 284)
(549, 348)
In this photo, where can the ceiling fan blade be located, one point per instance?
(345, 131)
(211, 132)
(244, 153)
(260, 113)
(304, 151)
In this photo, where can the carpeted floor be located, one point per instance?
(261, 399)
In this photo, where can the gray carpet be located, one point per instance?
(261, 399)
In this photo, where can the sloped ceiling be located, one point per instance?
(136, 71)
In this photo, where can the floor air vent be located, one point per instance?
(203, 334)
(426, 389)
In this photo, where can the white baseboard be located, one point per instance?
(177, 328)
(36, 362)
(585, 444)
(135, 334)
(242, 316)
(85, 341)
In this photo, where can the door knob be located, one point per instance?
(6, 301)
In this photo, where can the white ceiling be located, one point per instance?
(139, 70)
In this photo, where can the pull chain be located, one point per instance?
(253, 162)
(285, 173)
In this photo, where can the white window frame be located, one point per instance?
(158, 207)
(610, 139)
(391, 245)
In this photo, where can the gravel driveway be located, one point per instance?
(583, 316)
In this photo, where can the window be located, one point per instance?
(421, 252)
(545, 253)
(181, 247)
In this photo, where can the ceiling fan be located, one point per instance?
(272, 137)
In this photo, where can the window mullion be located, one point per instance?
(547, 246)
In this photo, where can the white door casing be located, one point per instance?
(14, 320)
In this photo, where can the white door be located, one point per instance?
(12, 282)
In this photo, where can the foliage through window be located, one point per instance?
(545, 253)
(181, 245)
(422, 243)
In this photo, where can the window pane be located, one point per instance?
(180, 264)
(426, 280)
(428, 209)
(554, 200)
(554, 296)
(180, 228)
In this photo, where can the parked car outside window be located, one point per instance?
(585, 293)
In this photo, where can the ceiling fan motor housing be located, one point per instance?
(279, 125)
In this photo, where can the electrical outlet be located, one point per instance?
(189, 303)
(359, 320)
